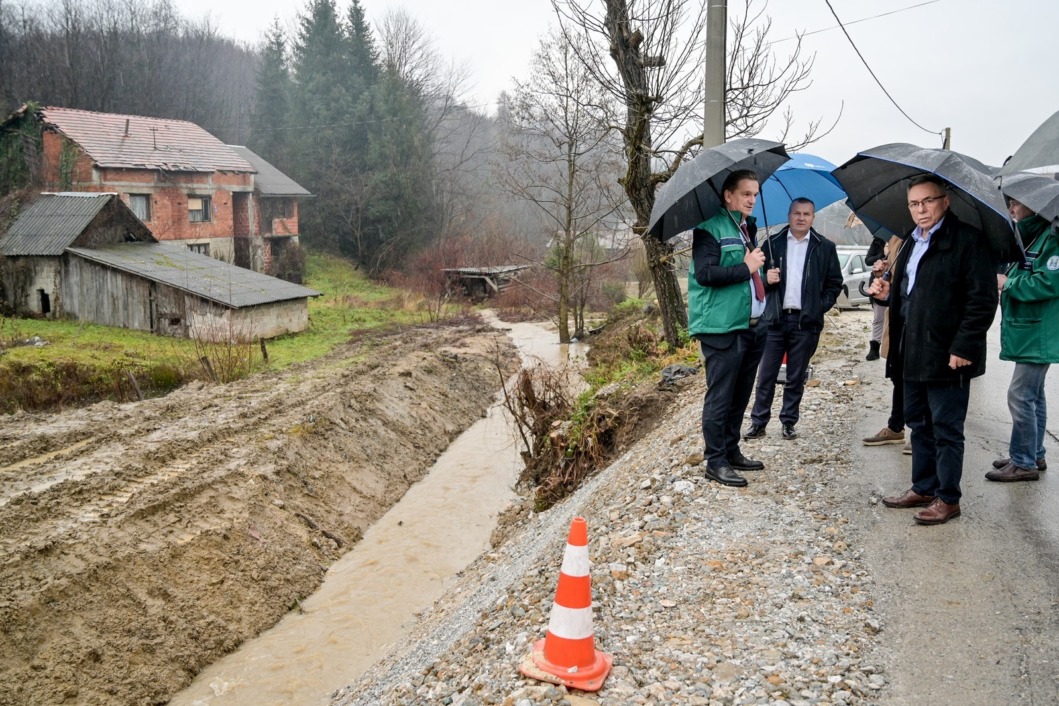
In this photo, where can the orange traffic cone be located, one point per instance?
(567, 654)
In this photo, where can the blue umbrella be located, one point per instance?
(804, 176)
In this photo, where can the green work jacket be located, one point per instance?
(1029, 301)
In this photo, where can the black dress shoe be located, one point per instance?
(725, 476)
(788, 432)
(754, 432)
(742, 463)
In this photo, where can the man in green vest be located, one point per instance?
(726, 299)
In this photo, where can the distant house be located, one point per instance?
(87, 256)
(181, 181)
(275, 207)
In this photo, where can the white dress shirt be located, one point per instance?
(792, 287)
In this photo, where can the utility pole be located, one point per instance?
(948, 139)
(716, 58)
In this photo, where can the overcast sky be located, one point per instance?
(949, 63)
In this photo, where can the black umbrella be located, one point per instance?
(1041, 149)
(693, 194)
(876, 181)
(1036, 192)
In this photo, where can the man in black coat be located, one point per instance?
(942, 299)
(802, 284)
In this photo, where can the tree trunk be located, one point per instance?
(639, 108)
(564, 306)
(667, 289)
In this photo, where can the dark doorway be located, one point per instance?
(45, 302)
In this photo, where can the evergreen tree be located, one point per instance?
(365, 148)
(321, 113)
(402, 213)
(269, 120)
(363, 54)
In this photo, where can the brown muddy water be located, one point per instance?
(371, 596)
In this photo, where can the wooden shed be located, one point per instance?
(481, 282)
(61, 259)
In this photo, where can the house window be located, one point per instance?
(277, 208)
(141, 206)
(199, 209)
(200, 248)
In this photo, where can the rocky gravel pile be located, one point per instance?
(703, 594)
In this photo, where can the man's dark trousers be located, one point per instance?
(799, 344)
(935, 412)
(896, 422)
(729, 383)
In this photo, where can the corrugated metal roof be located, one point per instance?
(51, 223)
(269, 181)
(151, 143)
(201, 275)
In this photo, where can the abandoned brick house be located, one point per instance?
(87, 256)
(181, 181)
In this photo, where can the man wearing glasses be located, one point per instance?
(942, 300)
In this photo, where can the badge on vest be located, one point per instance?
(1053, 263)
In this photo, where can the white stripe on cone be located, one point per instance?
(570, 623)
(575, 561)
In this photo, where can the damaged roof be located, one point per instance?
(52, 223)
(137, 142)
(197, 274)
(269, 181)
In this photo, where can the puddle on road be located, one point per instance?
(404, 563)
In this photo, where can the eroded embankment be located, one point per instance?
(140, 542)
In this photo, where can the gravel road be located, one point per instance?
(703, 594)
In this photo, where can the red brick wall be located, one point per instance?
(82, 173)
(279, 226)
(241, 215)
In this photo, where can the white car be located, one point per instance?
(855, 274)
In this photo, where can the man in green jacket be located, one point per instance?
(726, 299)
(1029, 307)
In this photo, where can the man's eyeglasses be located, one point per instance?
(914, 205)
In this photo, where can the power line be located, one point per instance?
(854, 22)
(865, 62)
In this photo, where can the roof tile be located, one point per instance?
(151, 143)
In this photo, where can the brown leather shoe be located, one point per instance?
(1011, 473)
(909, 498)
(937, 513)
(1042, 464)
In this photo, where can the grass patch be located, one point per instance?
(84, 362)
(350, 304)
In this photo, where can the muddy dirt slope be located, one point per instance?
(140, 542)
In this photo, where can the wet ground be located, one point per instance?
(141, 542)
(404, 563)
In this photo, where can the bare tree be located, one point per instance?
(562, 158)
(648, 54)
(455, 130)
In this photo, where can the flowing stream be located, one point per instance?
(370, 597)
